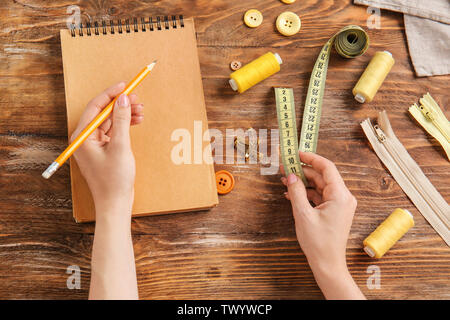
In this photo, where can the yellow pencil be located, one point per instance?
(102, 116)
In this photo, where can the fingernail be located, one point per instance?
(292, 178)
(123, 101)
(283, 179)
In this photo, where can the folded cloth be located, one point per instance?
(427, 27)
(429, 45)
(438, 10)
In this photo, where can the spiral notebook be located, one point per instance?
(100, 54)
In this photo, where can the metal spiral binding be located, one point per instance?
(158, 22)
(143, 25)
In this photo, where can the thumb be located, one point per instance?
(121, 121)
(297, 194)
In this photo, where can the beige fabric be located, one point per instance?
(427, 27)
(438, 10)
(429, 45)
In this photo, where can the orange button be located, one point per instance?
(224, 181)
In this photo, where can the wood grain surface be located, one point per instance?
(246, 247)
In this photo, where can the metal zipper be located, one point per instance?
(408, 175)
(430, 116)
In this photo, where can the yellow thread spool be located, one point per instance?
(255, 72)
(374, 75)
(388, 233)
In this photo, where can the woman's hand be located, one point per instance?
(323, 230)
(105, 159)
(107, 163)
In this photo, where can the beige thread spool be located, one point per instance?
(388, 233)
(374, 75)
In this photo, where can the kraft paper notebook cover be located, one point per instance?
(173, 99)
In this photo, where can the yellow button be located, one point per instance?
(288, 23)
(288, 1)
(253, 18)
(224, 181)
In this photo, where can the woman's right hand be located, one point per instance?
(105, 159)
(323, 230)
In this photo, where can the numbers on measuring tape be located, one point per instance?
(313, 104)
(288, 132)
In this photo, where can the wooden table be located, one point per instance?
(246, 247)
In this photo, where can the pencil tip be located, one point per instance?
(151, 65)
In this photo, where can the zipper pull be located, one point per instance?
(427, 112)
(380, 134)
(436, 115)
(430, 116)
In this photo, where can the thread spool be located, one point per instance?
(374, 75)
(388, 233)
(255, 71)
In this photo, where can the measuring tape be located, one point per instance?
(284, 98)
(349, 42)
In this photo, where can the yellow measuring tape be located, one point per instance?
(350, 42)
(284, 98)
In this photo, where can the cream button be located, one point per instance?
(253, 18)
(288, 23)
(288, 1)
(235, 65)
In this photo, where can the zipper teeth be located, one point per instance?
(438, 126)
(434, 121)
(444, 133)
(405, 169)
